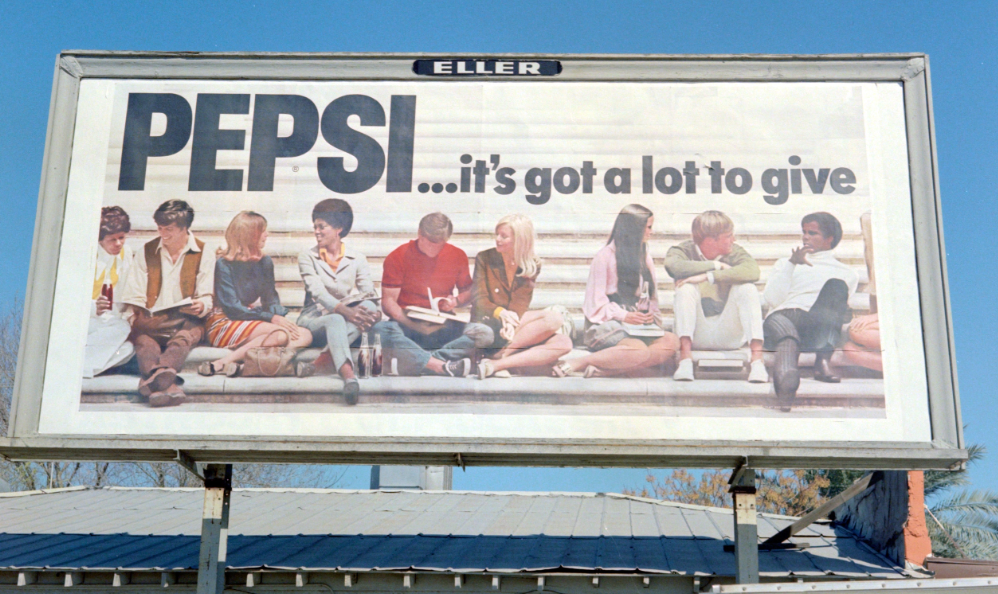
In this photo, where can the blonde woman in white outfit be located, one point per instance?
(107, 334)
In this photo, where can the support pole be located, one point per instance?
(742, 489)
(214, 528)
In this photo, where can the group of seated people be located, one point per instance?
(162, 302)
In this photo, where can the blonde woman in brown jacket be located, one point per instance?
(503, 287)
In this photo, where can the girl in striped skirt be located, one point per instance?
(247, 307)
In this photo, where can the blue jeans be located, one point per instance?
(413, 350)
(332, 330)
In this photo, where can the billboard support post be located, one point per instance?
(742, 489)
(214, 528)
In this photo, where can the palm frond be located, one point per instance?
(937, 481)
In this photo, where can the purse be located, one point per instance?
(269, 361)
(605, 335)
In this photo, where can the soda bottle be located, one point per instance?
(108, 292)
(376, 357)
(364, 358)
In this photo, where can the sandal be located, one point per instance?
(207, 369)
(561, 369)
(592, 371)
(232, 369)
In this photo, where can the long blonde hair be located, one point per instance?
(523, 243)
(242, 237)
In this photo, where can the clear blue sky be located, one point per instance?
(961, 39)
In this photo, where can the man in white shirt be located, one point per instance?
(173, 276)
(808, 296)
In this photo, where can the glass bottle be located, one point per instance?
(364, 358)
(376, 357)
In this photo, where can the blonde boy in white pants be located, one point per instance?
(717, 305)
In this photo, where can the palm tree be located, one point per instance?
(964, 523)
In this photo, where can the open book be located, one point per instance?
(354, 299)
(436, 317)
(644, 330)
(155, 310)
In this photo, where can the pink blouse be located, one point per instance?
(603, 282)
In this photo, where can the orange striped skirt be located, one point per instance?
(225, 333)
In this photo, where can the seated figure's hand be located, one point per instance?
(696, 279)
(799, 255)
(637, 318)
(282, 322)
(103, 305)
(509, 317)
(359, 316)
(510, 322)
(447, 303)
(194, 309)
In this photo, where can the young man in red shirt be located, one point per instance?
(426, 265)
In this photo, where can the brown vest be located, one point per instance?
(188, 272)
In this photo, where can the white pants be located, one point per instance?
(107, 344)
(739, 322)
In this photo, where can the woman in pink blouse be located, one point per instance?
(621, 290)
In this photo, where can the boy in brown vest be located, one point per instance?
(173, 270)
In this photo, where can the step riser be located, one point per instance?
(334, 399)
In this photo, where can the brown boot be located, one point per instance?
(823, 369)
(158, 381)
(172, 396)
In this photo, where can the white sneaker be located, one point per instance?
(757, 373)
(684, 372)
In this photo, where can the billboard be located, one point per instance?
(493, 260)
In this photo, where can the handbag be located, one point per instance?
(269, 361)
(603, 336)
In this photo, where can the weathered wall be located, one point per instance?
(890, 515)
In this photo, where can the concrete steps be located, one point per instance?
(661, 392)
(566, 259)
(202, 354)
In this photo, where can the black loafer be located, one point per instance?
(351, 390)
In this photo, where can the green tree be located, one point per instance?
(961, 522)
(788, 493)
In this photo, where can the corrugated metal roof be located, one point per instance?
(442, 531)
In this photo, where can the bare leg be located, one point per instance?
(259, 337)
(756, 346)
(857, 355)
(662, 352)
(661, 357)
(865, 331)
(534, 329)
(627, 355)
(545, 353)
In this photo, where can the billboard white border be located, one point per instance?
(911, 70)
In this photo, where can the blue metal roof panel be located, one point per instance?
(143, 529)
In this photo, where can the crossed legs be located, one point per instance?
(629, 356)
(536, 342)
(264, 335)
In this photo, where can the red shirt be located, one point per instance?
(411, 270)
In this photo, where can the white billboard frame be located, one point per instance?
(910, 70)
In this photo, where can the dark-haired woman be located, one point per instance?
(621, 289)
(107, 334)
(336, 276)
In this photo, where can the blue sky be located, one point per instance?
(961, 39)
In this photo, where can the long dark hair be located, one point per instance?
(632, 254)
